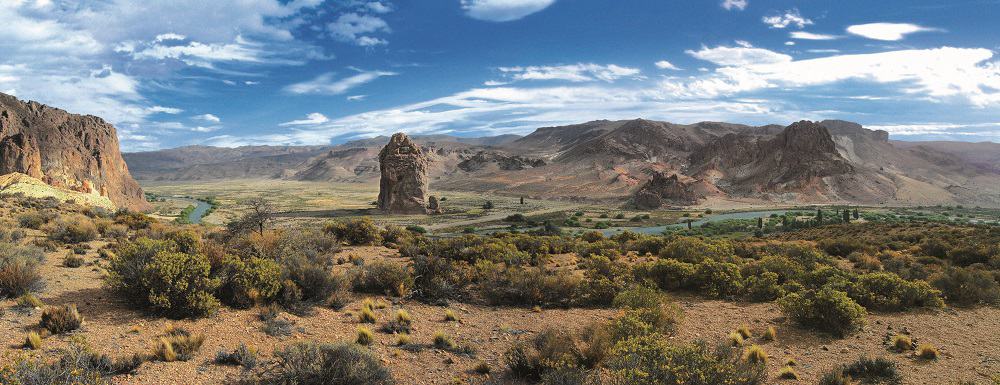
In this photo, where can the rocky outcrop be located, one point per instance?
(796, 157)
(662, 190)
(483, 159)
(67, 151)
(403, 184)
(433, 205)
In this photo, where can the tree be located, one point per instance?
(784, 221)
(760, 222)
(847, 215)
(488, 205)
(257, 212)
(819, 215)
(522, 200)
(856, 214)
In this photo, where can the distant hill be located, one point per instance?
(830, 161)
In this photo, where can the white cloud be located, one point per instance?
(356, 98)
(803, 35)
(164, 110)
(886, 31)
(208, 118)
(580, 72)
(789, 17)
(730, 5)
(743, 55)
(665, 65)
(193, 53)
(355, 28)
(938, 73)
(205, 129)
(379, 7)
(326, 84)
(310, 120)
(494, 83)
(503, 10)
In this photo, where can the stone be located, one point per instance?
(662, 189)
(74, 152)
(433, 205)
(403, 184)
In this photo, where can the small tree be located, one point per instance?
(856, 214)
(522, 200)
(847, 215)
(257, 213)
(819, 215)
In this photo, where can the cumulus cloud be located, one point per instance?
(580, 72)
(379, 7)
(738, 5)
(310, 120)
(886, 31)
(789, 17)
(665, 65)
(743, 54)
(803, 35)
(194, 53)
(356, 28)
(945, 72)
(503, 10)
(326, 84)
(164, 110)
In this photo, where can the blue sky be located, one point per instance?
(238, 72)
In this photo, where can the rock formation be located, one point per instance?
(433, 205)
(505, 162)
(663, 189)
(403, 185)
(73, 152)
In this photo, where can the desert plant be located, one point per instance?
(442, 341)
(364, 336)
(404, 339)
(927, 352)
(650, 360)
(788, 373)
(450, 316)
(755, 355)
(827, 310)
(19, 270)
(29, 301)
(76, 364)
(771, 334)
(744, 331)
(864, 370)
(243, 355)
(61, 319)
(400, 323)
(383, 277)
(74, 229)
(967, 286)
(367, 315)
(33, 341)
(72, 261)
(735, 339)
(887, 291)
(324, 364)
(177, 345)
(902, 343)
(250, 281)
(360, 231)
(151, 274)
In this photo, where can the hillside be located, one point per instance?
(67, 151)
(829, 161)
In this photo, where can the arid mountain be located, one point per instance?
(828, 161)
(67, 151)
(206, 163)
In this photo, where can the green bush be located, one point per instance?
(152, 275)
(967, 286)
(653, 360)
(324, 364)
(19, 270)
(74, 229)
(356, 232)
(694, 250)
(384, 277)
(77, 365)
(763, 287)
(437, 278)
(827, 310)
(311, 278)
(525, 286)
(667, 274)
(887, 291)
(718, 279)
(246, 283)
(864, 371)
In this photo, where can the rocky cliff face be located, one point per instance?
(403, 184)
(802, 153)
(663, 189)
(484, 159)
(68, 151)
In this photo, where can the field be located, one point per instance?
(546, 296)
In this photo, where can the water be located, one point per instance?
(697, 222)
(200, 208)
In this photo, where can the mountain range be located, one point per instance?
(830, 161)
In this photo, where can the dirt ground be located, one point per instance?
(969, 339)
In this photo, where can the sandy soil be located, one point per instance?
(968, 338)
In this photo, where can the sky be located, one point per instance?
(172, 73)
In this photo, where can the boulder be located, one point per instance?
(433, 205)
(403, 184)
(662, 189)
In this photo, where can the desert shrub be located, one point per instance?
(927, 352)
(19, 270)
(788, 373)
(250, 281)
(323, 364)
(694, 250)
(74, 229)
(273, 325)
(525, 286)
(437, 278)
(667, 274)
(32, 341)
(718, 279)
(649, 360)
(442, 341)
(592, 236)
(755, 355)
(356, 232)
(312, 279)
(384, 277)
(967, 286)
(887, 291)
(902, 343)
(243, 355)
(648, 306)
(29, 301)
(365, 336)
(133, 219)
(61, 319)
(72, 260)
(827, 310)
(77, 365)
(763, 287)
(33, 219)
(550, 350)
(770, 334)
(865, 371)
(840, 247)
(450, 316)
(400, 323)
(177, 345)
(152, 275)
